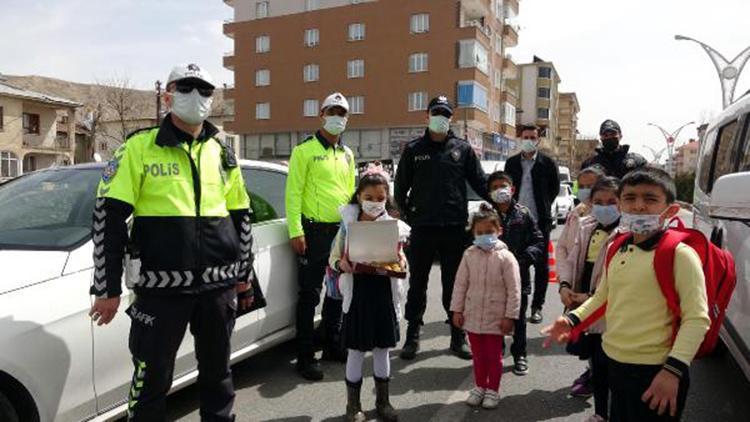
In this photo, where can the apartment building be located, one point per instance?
(567, 128)
(539, 101)
(686, 158)
(388, 57)
(32, 135)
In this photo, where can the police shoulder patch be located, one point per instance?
(110, 170)
(456, 154)
(630, 163)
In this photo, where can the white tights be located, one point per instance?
(380, 362)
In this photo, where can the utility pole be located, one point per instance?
(157, 85)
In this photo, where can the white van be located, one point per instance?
(722, 212)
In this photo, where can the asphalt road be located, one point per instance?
(433, 387)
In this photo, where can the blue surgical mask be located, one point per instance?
(642, 224)
(486, 241)
(606, 215)
(583, 194)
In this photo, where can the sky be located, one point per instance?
(619, 56)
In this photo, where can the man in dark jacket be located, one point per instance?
(537, 182)
(526, 243)
(430, 191)
(615, 159)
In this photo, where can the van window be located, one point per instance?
(745, 155)
(706, 160)
(726, 152)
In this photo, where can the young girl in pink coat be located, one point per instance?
(486, 302)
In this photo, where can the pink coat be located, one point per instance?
(487, 289)
(570, 232)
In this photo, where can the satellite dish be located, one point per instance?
(97, 157)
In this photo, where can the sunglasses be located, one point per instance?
(188, 88)
(441, 112)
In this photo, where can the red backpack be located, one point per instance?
(718, 269)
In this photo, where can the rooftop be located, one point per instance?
(12, 91)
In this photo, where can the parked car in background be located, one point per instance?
(565, 175)
(564, 203)
(55, 365)
(721, 210)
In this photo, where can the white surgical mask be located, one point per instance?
(528, 145)
(335, 124)
(191, 108)
(373, 209)
(440, 124)
(642, 224)
(502, 195)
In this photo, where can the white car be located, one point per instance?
(721, 210)
(489, 167)
(563, 204)
(55, 364)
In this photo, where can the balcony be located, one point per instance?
(229, 28)
(510, 68)
(510, 34)
(509, 96)
(479, 24)
(229, 62)
(476, 8)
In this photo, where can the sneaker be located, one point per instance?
(491, 400)
(585, 390)
(310, 369)
(521, 366)
(595, 418)
(476, 396)
(536, 316)
(584, 378)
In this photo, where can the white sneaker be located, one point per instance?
(595, 418)
(476, 395)
(491, 400)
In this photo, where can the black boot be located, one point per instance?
(353, 404)
(411, 345)
(382, 401)
(309, 369)
(458, 344)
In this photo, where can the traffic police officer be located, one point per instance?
(192, 232)
(321, 179)
(430, 191)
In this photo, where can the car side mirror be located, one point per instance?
(730, 198)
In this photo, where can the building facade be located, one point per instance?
(567, 128)
(585, 148)
(686, 158)
(34, 130)
(539, 101)
(388, 57)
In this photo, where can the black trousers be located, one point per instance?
(311, 269)
(541, 272)
(628, 382)
(599, 376)
(157, 329)
(518, 348)
(449, 243)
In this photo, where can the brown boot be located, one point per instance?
(382, 401)
(353, 404)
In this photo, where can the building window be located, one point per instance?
(542, 92)
(357, 105)
(311, 73)
(542, 113)
(8, 164)
(263, 44)
(312, 5)
(311, 108)
(261, 9)
(262, 111)
(498, 44)
(545, 72)
(312, 37)
(498, 79)
(355, 69)
(356, 32)
(472, 94)
(262, 77)
(473, 54)
(420, 23)
(418, 101)
(509, 114)
(418, 62)
(30, 123)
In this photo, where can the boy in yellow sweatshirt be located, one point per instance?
(648, 371)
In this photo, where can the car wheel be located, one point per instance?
(7, 411)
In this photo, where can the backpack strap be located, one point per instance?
(618, 242)
(664, 269)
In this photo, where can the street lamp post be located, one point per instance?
(729, 72)
(670, 138)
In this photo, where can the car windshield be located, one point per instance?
(48, 210)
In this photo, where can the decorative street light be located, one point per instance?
(729, 72)
(670, 138)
